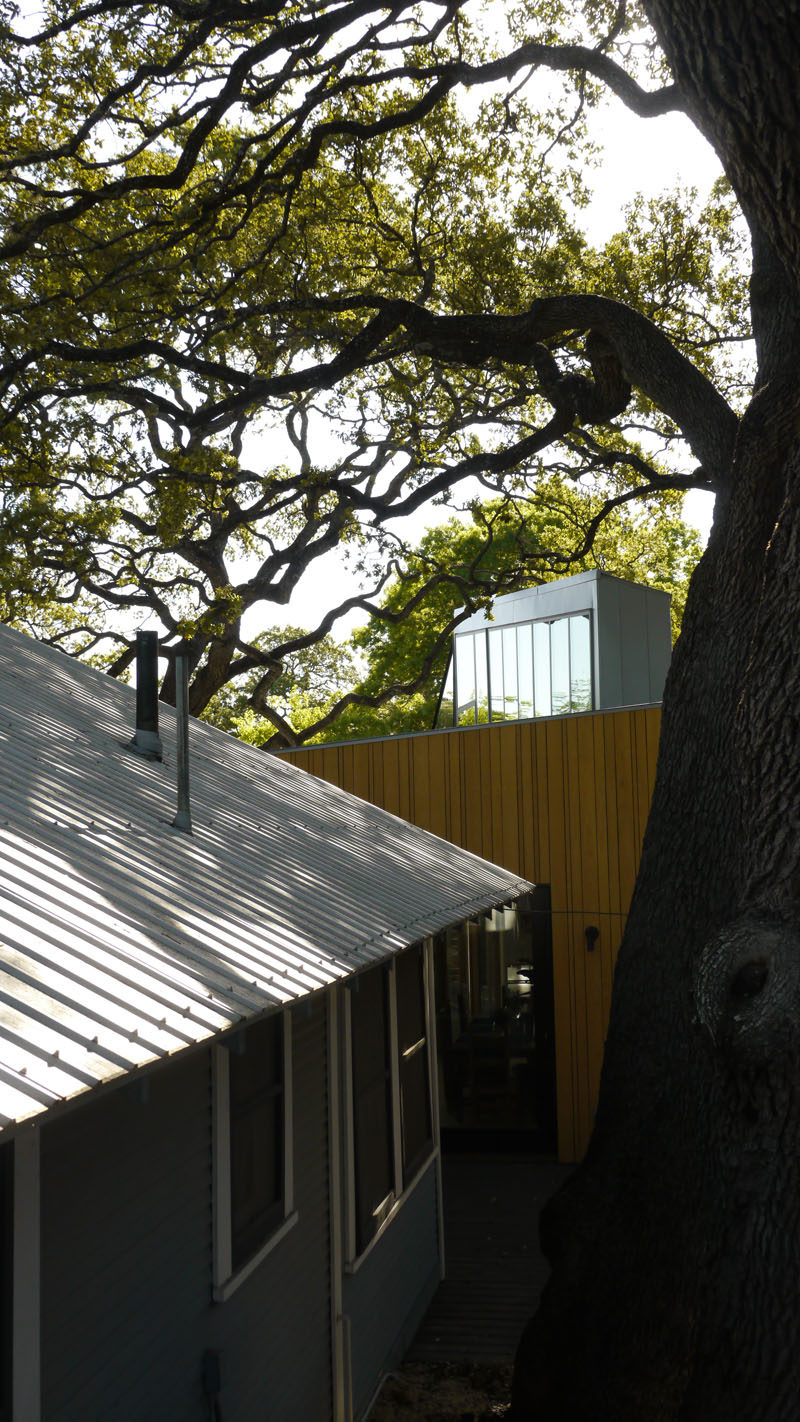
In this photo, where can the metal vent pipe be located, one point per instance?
(147, 741)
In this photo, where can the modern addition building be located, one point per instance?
(543, 761)
(587, 643)
(220, 1185)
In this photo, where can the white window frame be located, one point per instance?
(354, 1260)
(226, 1280)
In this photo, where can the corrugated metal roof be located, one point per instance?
(123, 940)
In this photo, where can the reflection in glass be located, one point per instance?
(559, 666)
(580, 663)
(525, 668)
(510, 672)
(496, 672)
(541, 668)
(444, 715)
(528, 669)
(465, 679)
(481, 677)
(494, 1032)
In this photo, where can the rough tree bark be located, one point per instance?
(675, 1291)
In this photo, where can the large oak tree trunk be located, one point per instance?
(676, 1246)
(675, 1291)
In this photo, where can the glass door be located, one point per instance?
(495, 1028)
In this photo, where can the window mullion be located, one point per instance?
(394, 1059)
(349, 1129)
(288, 1120)
(223, 1252)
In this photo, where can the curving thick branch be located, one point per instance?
(646, 358)
(624, 349)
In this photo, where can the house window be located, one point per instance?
(391, 1135)
(372, 1103)
(412, 1045)
(253, 1204)
(256, 1137)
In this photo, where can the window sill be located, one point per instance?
(223, 1291)
(352, 1266)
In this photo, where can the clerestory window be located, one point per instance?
(513, 673)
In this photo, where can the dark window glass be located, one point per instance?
(415, 1105)
(256, 1132)
(372, 1102)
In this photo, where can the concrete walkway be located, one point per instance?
(494, 1268)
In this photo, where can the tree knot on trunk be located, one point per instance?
(747, 993)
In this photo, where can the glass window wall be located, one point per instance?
(514, 673)
(465, 680)
(495, 1022)
(445, 715)
(481, 677)
(580, 663)
(525, 670)
(542, 704)
(510, 698)
(496, 673)
(559, 666)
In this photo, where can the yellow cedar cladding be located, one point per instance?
(562, 801)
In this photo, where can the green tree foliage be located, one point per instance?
(308, 682)
(274, 276)
(505, 545)
(654, 545)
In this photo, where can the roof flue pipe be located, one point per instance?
(147, 741)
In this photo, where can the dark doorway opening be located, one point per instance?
(495, 1030)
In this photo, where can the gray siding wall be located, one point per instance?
(609, 634)
(127, 1259)
(632, 640)
(387, 1296)
(575, 594)
(634, 643)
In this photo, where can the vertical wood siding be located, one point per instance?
(562, 801)
(127, 1263)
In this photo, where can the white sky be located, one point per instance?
(641, 155)
(650, 156)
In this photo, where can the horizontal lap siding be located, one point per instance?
(562, 801)
(386, 1298)
(127, 1259)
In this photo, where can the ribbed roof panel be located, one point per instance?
(123, 940)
